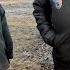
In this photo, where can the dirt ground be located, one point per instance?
(30, 52)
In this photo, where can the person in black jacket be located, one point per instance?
(53, 23)
(6, 44)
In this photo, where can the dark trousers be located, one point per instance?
(61, 66)
(58, 64)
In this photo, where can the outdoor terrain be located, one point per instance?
(30, 52)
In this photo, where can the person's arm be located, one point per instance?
(6, 35)
(42, 13)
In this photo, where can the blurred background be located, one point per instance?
(30, 52)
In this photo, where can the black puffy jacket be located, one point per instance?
(54, 26)
(42, 13)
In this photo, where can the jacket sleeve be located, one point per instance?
(42, 13)
(7, 36)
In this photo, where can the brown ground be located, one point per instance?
(30, 52)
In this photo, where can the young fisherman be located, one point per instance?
(53, 22)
